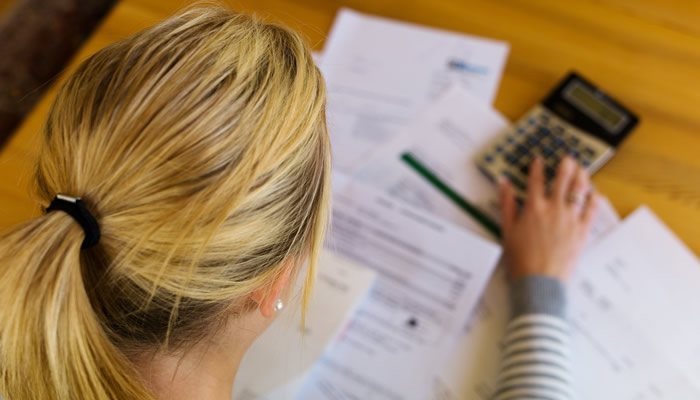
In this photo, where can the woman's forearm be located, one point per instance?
(535, 362)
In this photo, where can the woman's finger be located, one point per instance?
(508, 206)
(579, 188)
(535, 181)
(565, 173)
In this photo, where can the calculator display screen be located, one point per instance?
(597, 109)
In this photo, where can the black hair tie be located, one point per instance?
(76, 209)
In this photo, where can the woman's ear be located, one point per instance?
(266, 297)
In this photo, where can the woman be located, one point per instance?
(199, 150)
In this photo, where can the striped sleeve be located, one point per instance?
(535, 360)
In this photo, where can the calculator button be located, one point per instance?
(511, 158)
(510, 139)
(558, 129)
(488, 158)
(499, 149)
(544, 118)
(531, 121)
(586, 163)
(573, 140)
(557, 141)
(532, 140)
(522, 149)
(589, 152)
(547, 152)
(574, 153)
(543, 132)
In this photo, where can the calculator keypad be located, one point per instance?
(539, 133)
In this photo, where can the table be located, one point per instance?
(646, 53)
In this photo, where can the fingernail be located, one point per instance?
(568, 160)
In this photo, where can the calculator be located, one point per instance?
(576, 118)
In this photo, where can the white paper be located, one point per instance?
(380, 73)
(634, 303)
(430, 277)
(277, 364)
(445, 138)
(636, 332)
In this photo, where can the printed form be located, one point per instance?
(445, 138)
(380, 73)
(430, 277)
(634, 321)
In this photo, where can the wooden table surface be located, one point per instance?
(644, 52)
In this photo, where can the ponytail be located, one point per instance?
(201, 144)
(52, 346)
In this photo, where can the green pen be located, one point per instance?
(460, 201)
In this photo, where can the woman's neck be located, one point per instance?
(206, 371)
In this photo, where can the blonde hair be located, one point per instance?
(200, 145)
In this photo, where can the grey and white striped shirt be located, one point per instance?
(535, 360)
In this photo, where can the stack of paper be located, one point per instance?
(381, 73)
(430, 275)
(431, 324)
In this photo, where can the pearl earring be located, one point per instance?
(279, 305)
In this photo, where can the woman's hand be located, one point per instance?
(547, 237)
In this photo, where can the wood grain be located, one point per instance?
(646, 53)
(4, 5)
